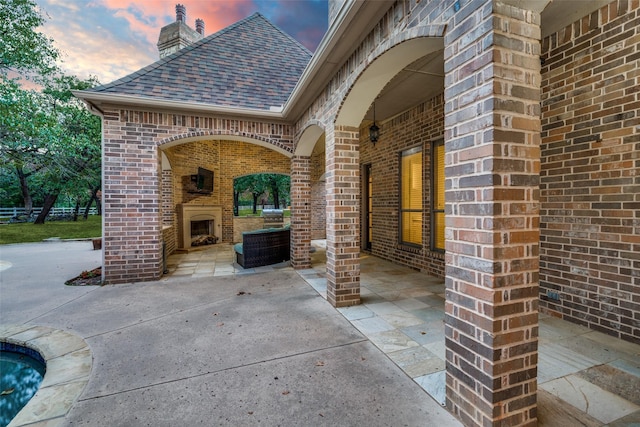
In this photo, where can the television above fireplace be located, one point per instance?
(201, 183)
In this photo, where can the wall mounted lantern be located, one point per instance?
(374, 130)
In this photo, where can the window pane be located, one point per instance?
(412, 227)
(411, 205)
(438, 203)
(439, 176)
(412, 181)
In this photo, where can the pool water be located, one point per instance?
(21, 372)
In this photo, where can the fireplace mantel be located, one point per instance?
(188, 213)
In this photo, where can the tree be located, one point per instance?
(25, 128)
(280, 186)
(73, 159)
(50, 135)
(262, 185)
(24, 50)
(254, 184)
(95, 196)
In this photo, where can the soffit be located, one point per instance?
(424, 79)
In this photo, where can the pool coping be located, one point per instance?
(68, 366)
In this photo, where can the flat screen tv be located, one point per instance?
(202, 182)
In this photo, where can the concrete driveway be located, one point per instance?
(242, 350)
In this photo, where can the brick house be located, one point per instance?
(507, 162)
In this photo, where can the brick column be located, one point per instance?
(343, 216)
(300, 212)
(492, 134)
(132, 231)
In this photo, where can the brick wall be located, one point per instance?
(343, 219)
(301, 212)
(227, 160)
(169, 238)
(492, 164)
(166, 186)
(131, 172)
(318, 193)
(419, 126)
(242, 224)
(132, 179)
(590, 178)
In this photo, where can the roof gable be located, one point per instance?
(250, 64)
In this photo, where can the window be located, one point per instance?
(411, 196)
(437, 200)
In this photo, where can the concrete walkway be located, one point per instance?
(214, 344)
(585, 378)
(240, 349)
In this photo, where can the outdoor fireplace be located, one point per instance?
(198, 225)
(202, 232)
(202, 228)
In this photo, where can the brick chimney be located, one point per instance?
(181, 13)
(177, 35)
(200, 26)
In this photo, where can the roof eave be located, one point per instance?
(96, 100)
(353, 20)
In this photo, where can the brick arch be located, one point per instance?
(308, 137)
(389, 58)
(208, 135)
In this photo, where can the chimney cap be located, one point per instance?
(181, 13)
(200, 26)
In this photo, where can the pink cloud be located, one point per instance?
(147, 17)
(113, 38)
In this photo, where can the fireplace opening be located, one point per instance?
(202, 233)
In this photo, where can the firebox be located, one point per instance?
(201, 228)
(202, 232)
(198, 222)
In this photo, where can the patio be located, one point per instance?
(214, 342)
(585, 378)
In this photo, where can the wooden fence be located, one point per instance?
(13, 212)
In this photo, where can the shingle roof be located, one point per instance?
(250, 64)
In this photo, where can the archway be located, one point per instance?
(383, 69)
(226, 157)
(404, 72)
(307, 193)
(406, 83)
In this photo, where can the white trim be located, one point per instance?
(349, 9)
(136, 100)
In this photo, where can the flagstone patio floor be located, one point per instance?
(585, 378)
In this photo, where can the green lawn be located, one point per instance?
(248, 212)
(29, 232)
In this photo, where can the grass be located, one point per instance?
(249, 212)
(29, 232)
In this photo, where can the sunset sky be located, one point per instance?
(112, 38)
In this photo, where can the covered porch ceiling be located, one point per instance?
(424, 78)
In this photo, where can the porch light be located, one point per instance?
(374, 130)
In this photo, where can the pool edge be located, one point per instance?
(60, 388)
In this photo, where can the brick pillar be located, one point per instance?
(301, 212)
(132, 231)
(492, 135)
(343, 216)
